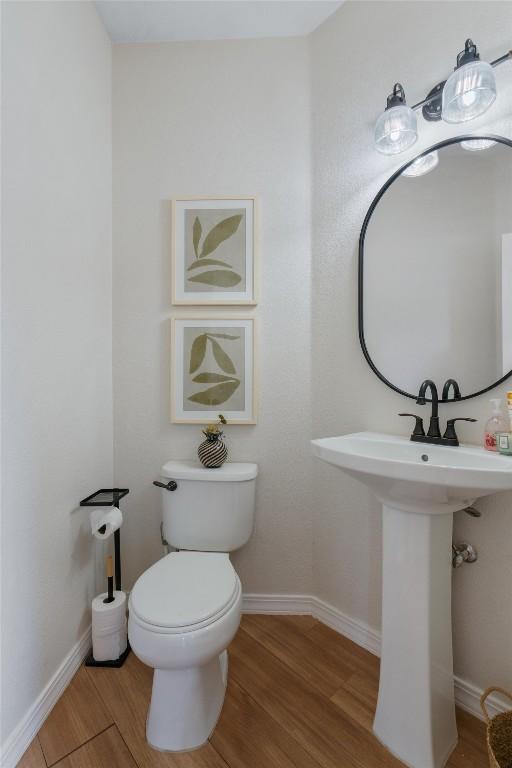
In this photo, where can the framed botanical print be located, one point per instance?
(213, 369)
(214, 251)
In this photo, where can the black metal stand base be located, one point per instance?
(112, 663)
(109, 497)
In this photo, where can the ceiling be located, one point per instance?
(141, 21)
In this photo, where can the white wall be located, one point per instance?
(57, 288)
(357, 56)
(218, 118)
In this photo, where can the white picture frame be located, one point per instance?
(214, 251)
(213, 369)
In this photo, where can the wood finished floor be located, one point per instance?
(299, 696)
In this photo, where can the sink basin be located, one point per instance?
(420, 487)
(425, 478)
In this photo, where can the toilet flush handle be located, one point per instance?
(170, 486)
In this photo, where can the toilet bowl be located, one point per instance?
(185, 610)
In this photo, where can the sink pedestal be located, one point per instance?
(415, 717)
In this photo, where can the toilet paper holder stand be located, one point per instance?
(109, 497)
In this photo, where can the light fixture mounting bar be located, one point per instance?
(501, 59)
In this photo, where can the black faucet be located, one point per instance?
(434, 434)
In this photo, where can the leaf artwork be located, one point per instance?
(210, 378)
(220, 232)
(223, 336)
(197, 231)
(216, 395)
(218, 278)
(197, 352)
(225, 386)
(221, 278)
(223, 360)
(207, 263)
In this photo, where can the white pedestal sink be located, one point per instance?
(420, 487)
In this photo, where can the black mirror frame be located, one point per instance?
(380, 193)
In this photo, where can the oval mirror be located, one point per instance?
(435, 269)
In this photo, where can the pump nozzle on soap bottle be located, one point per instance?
(497, 423)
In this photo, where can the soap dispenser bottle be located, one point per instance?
(497, 423)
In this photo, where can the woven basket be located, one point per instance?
(499, 732)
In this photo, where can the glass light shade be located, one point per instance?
(468, 92)
(475, 145)
(422, 165)
(396, 130)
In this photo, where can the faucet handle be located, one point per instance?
(450, 433)
(418, 430)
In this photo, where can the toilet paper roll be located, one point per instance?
(109, 632)
(107, 518)
(110, 647)
(106, 615)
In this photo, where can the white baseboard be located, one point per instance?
(467, 695)
(357, 631)
(19, 740)
(279, 604)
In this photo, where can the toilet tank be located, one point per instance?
(211, 510)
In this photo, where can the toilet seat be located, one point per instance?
(184, 592)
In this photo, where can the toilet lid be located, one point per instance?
(184, 588)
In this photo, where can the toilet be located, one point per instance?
(186, 608)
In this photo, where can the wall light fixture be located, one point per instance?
(467, 93)
(396, 129)
(471, 88)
